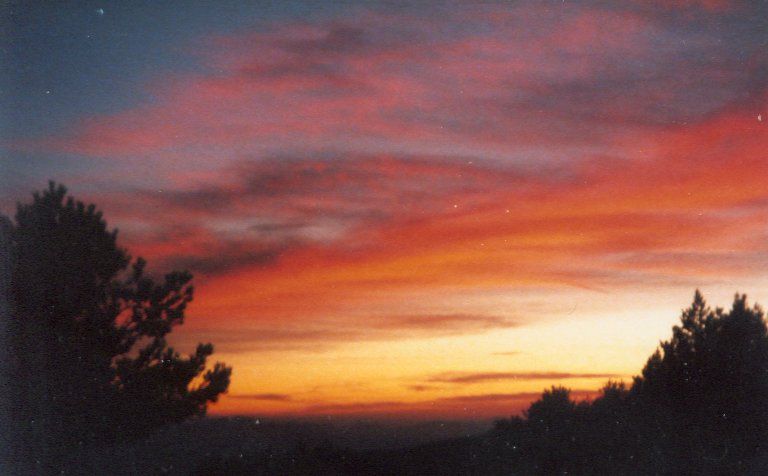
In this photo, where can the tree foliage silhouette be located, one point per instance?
(700, 406)
(554, 421)
(88, 332)
(706, 389)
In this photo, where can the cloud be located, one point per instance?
(492, 78)
(255, 211)
(368, 407)
(491, 397)
(655, 219)
(707, 5)
(447, 323)
(267, 338)
(364, 132)
(317, 338)
(272, 397)
(338, 40)
(350, 188)
(481, 377)
(420, 388)
(231, 257)
(362, 231)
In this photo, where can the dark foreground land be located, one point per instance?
(251, 446)
(244, 445)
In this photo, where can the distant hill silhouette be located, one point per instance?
(250, 445)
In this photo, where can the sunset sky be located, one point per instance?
(430, 211)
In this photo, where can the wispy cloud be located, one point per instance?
(272, 397)
(343, 331)
(445, 323)
(421, 388)
(493, 76)
(482, 377)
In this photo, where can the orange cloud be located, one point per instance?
(480, 377)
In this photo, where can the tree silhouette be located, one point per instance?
(705, 390)
(87, 334)
(700, 406)
(555, 420)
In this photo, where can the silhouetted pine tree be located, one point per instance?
(87, 331)
(705, 392)
(700, 406)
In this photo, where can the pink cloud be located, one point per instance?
(384, 79)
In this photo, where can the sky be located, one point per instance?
(414, 211)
